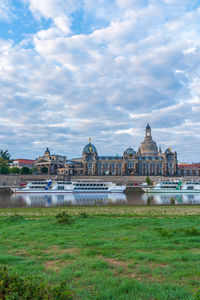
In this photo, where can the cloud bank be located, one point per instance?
(74, 69)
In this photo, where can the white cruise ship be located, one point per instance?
(176, 186)
(50, 186)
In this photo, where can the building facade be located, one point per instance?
(185, 169)
(52, 162)
(148, 160)
(22, 162)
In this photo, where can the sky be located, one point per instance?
(70, 70)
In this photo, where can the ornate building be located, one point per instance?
(51, 161)
(148, 160)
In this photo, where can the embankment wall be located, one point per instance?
(14, 180)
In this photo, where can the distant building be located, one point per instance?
(185, 169)
(20, 162)
(51, 161)
(148, 160)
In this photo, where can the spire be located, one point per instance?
(148, 127)
(148, 131)
(89, 140)
(47, 152)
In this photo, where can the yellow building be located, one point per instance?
(148, 160)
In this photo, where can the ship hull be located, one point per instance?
(166, 191)
(18, 191)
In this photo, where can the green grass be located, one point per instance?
(107, 252)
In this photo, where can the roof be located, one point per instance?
(89, 149)
(24, 161)
(109, 157)
(185, 165)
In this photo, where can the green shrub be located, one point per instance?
(14, 287)
(83, 215)
(180, 231)
(197, 294)
(15, 217)
(64, 218)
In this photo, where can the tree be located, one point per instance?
(25, 171)
(44, 170)
(148, 180)
(4, 170)
(34, 171)
(14, 170)
(5, 155)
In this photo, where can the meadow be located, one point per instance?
(150, 252)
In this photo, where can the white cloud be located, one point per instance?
(6, 10)
(139, 66)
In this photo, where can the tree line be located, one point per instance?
(5, 160)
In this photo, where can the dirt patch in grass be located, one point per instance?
(124, 269)
(195, 250)
(18, 252)
(56, 265)
(57, 250)
(115, 262)
(143, 251)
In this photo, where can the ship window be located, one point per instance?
(61, 187)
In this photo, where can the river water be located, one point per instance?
(129, 198)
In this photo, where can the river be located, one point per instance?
(8, 200)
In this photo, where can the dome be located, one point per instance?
(148, 146)
(129, 152)
(89, 149)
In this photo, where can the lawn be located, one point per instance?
(106, 252)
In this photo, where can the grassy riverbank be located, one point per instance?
(106, 252)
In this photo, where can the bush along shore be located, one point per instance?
(100, 253)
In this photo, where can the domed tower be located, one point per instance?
(128, 161)
(148, 146)
(89, 157)
(47, 153)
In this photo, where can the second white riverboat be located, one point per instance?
(175, 186)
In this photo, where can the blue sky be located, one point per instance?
(70, 70)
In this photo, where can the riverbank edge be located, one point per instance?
(109, 211)
(15, 180)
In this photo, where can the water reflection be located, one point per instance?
(81, 199)
(161, 199)
(38, 200)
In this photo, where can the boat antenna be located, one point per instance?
(55, 178)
